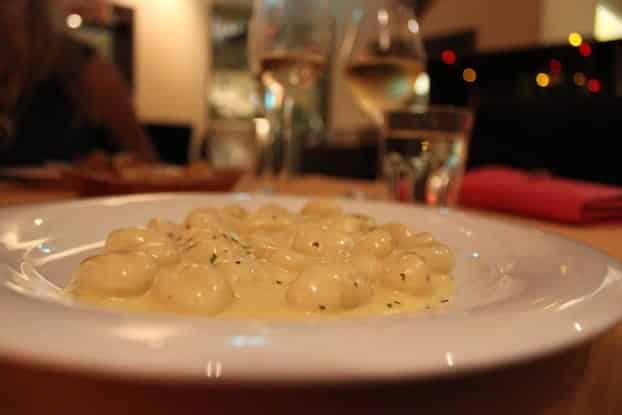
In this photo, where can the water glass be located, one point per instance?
(424, 154)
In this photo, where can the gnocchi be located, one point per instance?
(268, 263)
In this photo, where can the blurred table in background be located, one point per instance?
(15, 193)
(583, 380)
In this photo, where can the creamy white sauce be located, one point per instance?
(270, 263)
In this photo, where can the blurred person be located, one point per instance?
(58, 99)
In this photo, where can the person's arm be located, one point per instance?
(111, 101)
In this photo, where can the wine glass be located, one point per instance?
(289, 47)
(385, 61)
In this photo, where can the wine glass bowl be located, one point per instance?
(385, 60)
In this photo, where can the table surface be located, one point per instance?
(583, 380)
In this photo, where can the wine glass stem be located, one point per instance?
(281, 155)
(292, 145)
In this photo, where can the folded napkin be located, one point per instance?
(540, 195)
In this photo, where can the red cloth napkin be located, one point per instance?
(541, 196)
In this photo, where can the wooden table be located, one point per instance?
(584, 380)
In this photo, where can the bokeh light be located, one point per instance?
(575, 39)
(469, 75)
(74, 21)
(594, 86)
(585, 49)
(543, 80)
(555, 65)
(579, 79)
(448, 57)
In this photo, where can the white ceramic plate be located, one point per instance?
(520, 294)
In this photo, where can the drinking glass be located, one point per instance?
(289, 46)
(425, 154)
(385, 60)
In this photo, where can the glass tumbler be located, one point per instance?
(424, 154)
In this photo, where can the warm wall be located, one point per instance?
(501, 24)
(171, 60)
(560, 17)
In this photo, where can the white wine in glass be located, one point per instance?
(384, 84)
(384, 57)
(291, 70)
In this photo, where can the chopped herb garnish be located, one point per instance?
(232, 238)
(238, 262)
(417, 255)
(403, 276)
(213, 258)
(322, 307)
(188, 246)
(444, 300)
(389, 305)
(316, 244)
